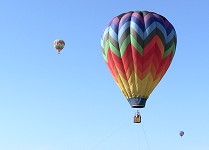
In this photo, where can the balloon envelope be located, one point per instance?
(59, 45)
(138, 48)
(181, 133)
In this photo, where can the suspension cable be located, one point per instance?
(106, 138)
(145, 136)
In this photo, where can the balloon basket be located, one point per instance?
(137, 119)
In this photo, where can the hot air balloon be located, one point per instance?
(181, 133)
(59, 45)
(138, 48)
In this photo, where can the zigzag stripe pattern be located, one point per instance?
(59, 45)
(138, 48)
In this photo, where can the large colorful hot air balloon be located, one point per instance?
(59, 45)
(138, 48)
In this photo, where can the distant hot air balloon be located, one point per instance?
(138, 48)
(181, 133)
(59, 45)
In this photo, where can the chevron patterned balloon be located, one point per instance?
(59, 45)
(138, 48)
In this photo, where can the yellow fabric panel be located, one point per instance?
(144, 83)
(124, 86)
(132, 85)
(138, 86)
(148, 85)
(135, 87)
(154, 84)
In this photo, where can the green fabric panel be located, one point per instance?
(167, 52)
(136, 45)
(124, 45)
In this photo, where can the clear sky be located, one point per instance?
(71, 102)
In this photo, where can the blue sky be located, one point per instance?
(70, 101)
